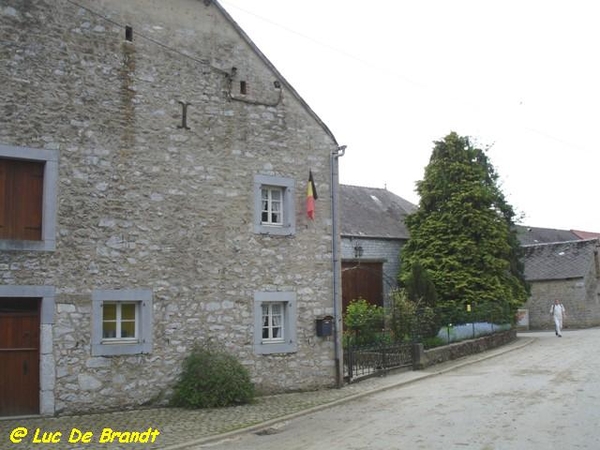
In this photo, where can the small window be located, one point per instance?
(275, 322)
(274, 211)
(273, 325)
(28, 180)
(122, 322)
(272, 202)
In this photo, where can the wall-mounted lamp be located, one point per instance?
(358, 251)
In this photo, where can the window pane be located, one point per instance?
(276, 195)
(109, 329)
(109, 311)
(128, 329)
(128, 311)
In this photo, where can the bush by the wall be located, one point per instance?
(212, 378)
(363, 322)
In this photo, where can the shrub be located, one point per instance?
(402, 316)
(212, 378)
(363, 322)
(432, 342)
(411, 320)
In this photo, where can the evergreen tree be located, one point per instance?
(463, 235)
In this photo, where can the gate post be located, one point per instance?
(418, 356)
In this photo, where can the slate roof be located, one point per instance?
(373, 212)
(559, 260)
(535, 235)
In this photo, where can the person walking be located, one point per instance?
(558, 313)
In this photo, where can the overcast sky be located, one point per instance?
(389, 77)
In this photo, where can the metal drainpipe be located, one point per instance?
(337, 297)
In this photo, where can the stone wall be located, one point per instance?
(580, 297)
(425, 358)
(144, 202)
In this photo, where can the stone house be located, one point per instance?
(372, 234)
(153, 177)
(569, 271)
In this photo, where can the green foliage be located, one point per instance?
(212, 378)
(363, 321)
(432, 342)
(411, 320)
(402, 316)
(463, 232)
(419, 286)
(421, 291)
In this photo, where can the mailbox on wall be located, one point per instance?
(325, 326)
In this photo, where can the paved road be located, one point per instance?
(543, 396)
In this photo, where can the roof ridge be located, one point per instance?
(575, 241)
(364, 187)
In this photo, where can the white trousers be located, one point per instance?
(558, 324)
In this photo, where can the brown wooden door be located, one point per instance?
(362, 280)
(19, 356)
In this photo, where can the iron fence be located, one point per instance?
(366, 360)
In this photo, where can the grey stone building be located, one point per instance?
(153, 172)
(569, 271)
(372, 233)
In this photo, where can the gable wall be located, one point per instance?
(580, 297)
(143, 204)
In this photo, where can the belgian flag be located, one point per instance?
(311, 196)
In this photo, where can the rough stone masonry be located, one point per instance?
(148, 200)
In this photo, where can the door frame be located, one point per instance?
(47, 365)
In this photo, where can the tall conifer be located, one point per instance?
(463, 235)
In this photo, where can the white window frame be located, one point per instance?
(49, 200)
(287, 224)
(109, 346)
(287, 343)
(119, 323)
(273, 323)
(270, 209)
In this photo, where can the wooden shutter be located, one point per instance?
(23, 200)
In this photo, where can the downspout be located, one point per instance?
(337, 294)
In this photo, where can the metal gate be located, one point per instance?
(376, 359)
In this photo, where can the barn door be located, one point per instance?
(19, 356)
(364, 280)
